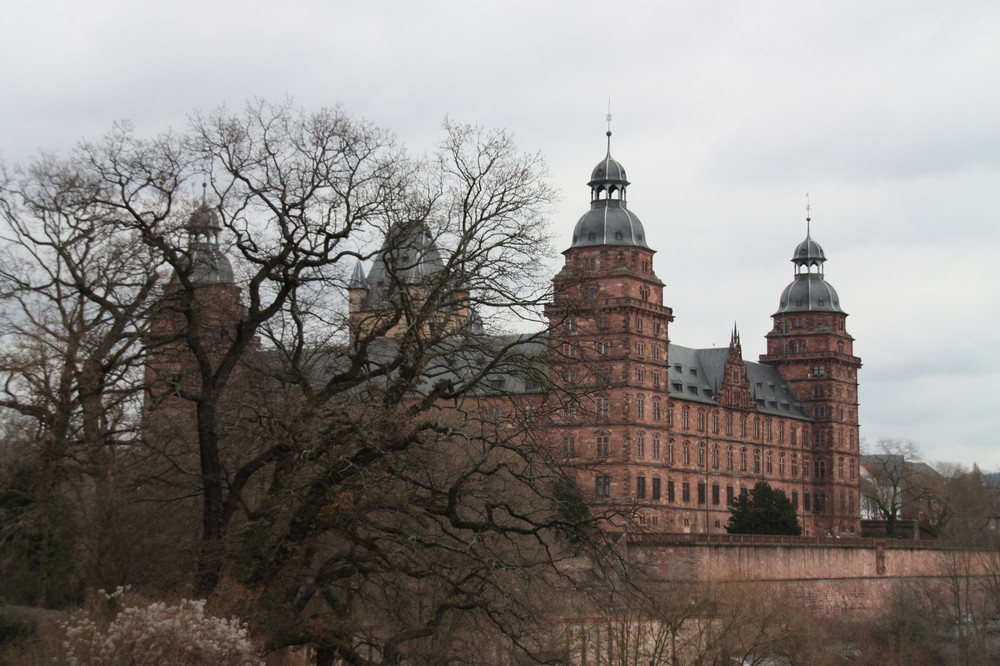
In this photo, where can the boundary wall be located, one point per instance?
(856, 577)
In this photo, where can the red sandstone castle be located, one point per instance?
(668, 434)
(674, 433)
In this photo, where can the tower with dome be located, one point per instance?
(668, 434)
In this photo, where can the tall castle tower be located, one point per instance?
(200, 306)
(810, 347)
(609, 332)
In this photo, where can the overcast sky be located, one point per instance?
(725, 115)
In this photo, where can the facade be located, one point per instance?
(671, 434)
(665, 434)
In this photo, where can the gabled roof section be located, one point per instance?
(697, 375)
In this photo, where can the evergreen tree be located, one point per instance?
(763, 510)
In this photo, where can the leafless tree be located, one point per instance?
(374, 496)
(894, 480)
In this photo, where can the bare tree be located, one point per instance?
(894, 481)
(375, 482)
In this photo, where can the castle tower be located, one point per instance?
(200, 305)
(609, 336)
(810, 347)
(407, 271)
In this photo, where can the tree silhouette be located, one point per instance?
(763, 510)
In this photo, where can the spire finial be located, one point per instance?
(609, 125)
(808, 215)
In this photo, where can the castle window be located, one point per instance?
(756, 428)
(729, 495)
(569, 411)
(686, 455)
(640, 487)
(640, 408)
(701, 422)
(781, 463)
(715, 456)
(656, 379)
(602, 486)
(781, 433)
(820, 469)
(603, 446)
(743, 459)
(693, 390)
(571, 325)
(638, 324)
(640, 446)
(568, 350)
(670, 452)
(640, 375)
(685, 419)
(693, 371)
(701, 455)
(670, 417)
(640, 349)
(603, 348)
(805, 467)
(656, 410)
(767, 430)
(670, 491)
(656, 446)
(795, 464)
(818, 371)
(656, 488)
(756, 461)
(677, 386)
(729, 424)
(603, 408)
(743, 427)
(701, 492)
(852, 471)
(569, 376)
(602, 324)
(685, 492)
(715, 423)
(715, 494)
(644, 293)
(569, 446)
(729, 458)
(656, 350)
(768, 463)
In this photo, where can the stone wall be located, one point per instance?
(831, 576)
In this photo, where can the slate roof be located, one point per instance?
(696, 375)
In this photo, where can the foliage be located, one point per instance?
(763, 510)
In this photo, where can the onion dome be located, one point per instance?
(809, 291)
(609, 222)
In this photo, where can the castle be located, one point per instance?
(668, 434)
(674, 433)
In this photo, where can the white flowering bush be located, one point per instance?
(155, 634)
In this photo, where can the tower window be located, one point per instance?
(602, 486)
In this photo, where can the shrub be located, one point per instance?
(155, 634)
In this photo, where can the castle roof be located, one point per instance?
(609, 221)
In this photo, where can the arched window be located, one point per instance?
(686, 454)
(701, 454)
(743, 459)
(715, 456)
(729, 458)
